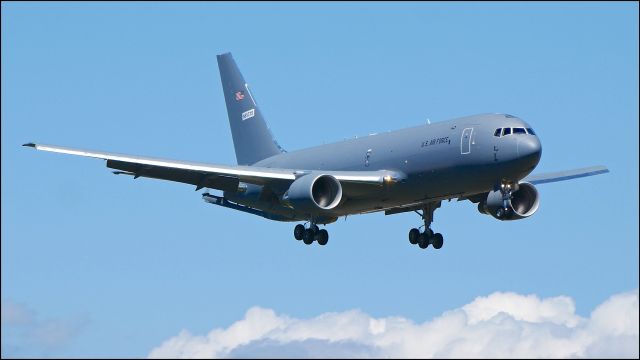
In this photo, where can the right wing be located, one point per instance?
(215, 176)
(565, 175)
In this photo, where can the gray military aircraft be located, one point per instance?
(485, 159)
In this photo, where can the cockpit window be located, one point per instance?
(509, 131)
(509, 116)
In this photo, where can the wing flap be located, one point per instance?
(198, 178)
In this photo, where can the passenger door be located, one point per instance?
(465, 141)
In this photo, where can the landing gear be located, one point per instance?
(506, 189)
(298, 231)
(437, 241)
(427, 236)
(423, 241)
(308, 236)
(311, 234)
(414, 234)
(323, 237)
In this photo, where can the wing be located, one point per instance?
(214, 176)
(565, 175)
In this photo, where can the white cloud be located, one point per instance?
(499, 325)
(25, 334)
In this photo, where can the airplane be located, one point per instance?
(486, 159)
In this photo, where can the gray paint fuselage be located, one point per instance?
(435, 162)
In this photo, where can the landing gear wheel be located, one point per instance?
(423, 241)
(315, 228)
(427, 237)
(323, 237)
(414, 234)
(428, 233)
(298, 231)
(308, 236)
(437, 241)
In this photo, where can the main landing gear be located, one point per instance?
(427, 237)
(308, 235)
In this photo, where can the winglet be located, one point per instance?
(29, 145)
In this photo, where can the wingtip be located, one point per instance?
(29, 145)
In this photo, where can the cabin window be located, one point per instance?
(506, 131)
(519, 131)
(497, 133)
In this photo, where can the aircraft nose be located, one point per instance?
(530, 149)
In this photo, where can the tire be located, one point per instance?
(308, 236)
(437, 241)
(414, 234)
(423, 241)
(323, 237)
(428, 233)
(298, 231)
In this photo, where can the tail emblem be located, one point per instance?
(239, 95)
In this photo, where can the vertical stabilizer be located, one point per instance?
(252, 138)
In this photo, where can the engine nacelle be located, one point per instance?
(524, 203)
(313, 193)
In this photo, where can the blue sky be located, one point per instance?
(99, 265)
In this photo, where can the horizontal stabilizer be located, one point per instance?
(565, 175)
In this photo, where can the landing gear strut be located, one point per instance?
(311, 234)
(427, 236)
(506, 189)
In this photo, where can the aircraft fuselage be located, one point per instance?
(444, 160)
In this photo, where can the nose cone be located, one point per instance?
(529, 150)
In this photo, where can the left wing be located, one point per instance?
(565, 175)
(214, 176)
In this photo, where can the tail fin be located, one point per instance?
(252, 138)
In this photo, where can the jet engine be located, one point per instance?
(313, 193)
(523, 203)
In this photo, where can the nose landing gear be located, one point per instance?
(506, 190)
(427, 237)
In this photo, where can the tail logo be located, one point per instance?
(239, 95)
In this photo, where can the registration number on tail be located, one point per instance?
(248, 114)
